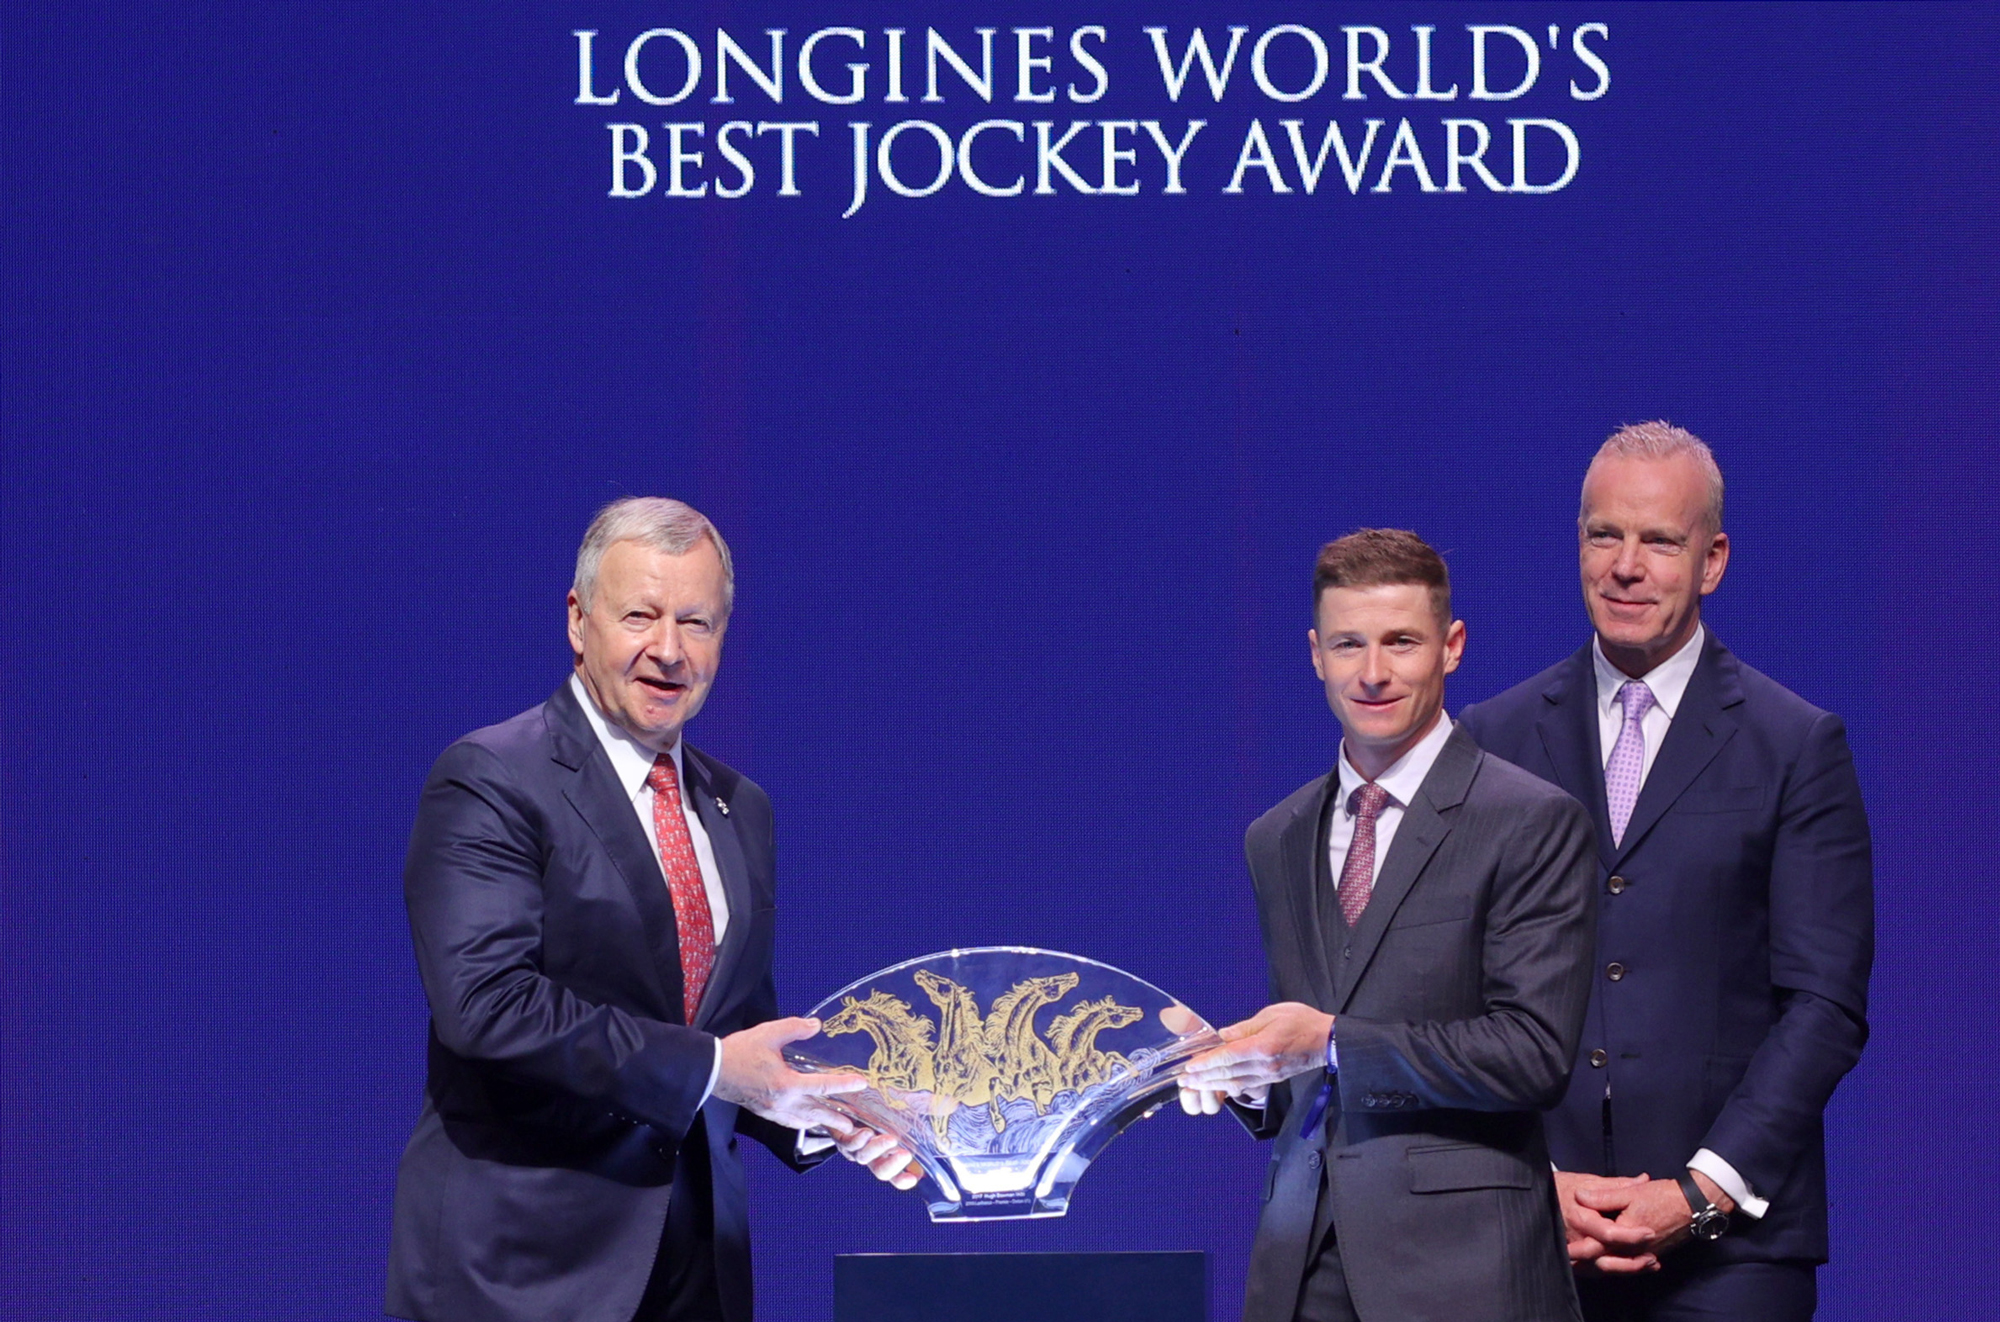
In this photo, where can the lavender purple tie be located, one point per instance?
(1628, 757)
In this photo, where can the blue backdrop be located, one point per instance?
(323, 338)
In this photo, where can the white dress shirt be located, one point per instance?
(1668, 681)
(1401, 782)
(632, 763)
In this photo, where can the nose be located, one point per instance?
(665, 644)
(1630, 565)
(1374, 668)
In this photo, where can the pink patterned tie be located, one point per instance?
(684, 883)
(1628, 757)
(1357, 874)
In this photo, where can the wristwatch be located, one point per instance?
(1710, 1221)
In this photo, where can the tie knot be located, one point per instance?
(1367, 801)
(1636, 698)
(661, 779)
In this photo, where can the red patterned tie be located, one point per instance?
(1357, 874)
(684, 883)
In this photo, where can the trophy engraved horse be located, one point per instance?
(970, 1057)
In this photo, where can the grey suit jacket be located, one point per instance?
(1458, 1000)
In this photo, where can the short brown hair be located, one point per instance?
(1380, 557)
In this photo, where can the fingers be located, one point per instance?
(806, 1113)
(886, 1158)
(906, 1178)
(829, 1085)
(1618, 1235)
(781, 1031)
(1201, 1101)
(1591, 1225)
(889, 1163)
(1180, 1019)
(1584, 1249)
(1596, 1184)
(1616, 1264)
(1607, 1197)
(1218, 1061)
(1243, 1028)
(1231, 1076)
(866, 1147)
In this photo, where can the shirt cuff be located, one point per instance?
(1332, 1048)
(1726, 1178)
(811, 1144)
(714, 1073)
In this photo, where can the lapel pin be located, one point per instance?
(723, 807)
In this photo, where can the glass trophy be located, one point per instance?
(1004, 1070)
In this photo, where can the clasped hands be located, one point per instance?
(1621, 1224)
(1614, 1224)
(1271, 1046)
(754, 1074)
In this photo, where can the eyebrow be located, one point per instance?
(1611, 525)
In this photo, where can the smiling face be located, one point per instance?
(1647, 555)
(648, 646)
(1383, 654)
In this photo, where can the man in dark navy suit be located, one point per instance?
(593, 907)
(1735, 917)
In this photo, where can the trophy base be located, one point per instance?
(998, 1207)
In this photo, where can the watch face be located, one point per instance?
(1711, 1224)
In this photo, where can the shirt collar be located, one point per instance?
(631, 761)
(1405, 775)
(1668, 680)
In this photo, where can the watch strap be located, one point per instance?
(1709, 1221)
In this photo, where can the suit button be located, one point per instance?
(1597, 1059)
(1347, 952)
(1614, 970)
(1312, 1160)
(1618, 885)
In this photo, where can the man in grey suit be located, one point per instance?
(1426, 912)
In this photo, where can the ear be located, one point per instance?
(575, 625)
(1312, 641)
(1717, 561)
(1454, 645)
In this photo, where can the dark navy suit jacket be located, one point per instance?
(1738, 910)
(564, 1093)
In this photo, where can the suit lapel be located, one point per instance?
(734, 869)
(1570, 738)
(1700, 727)
(598, 798)
(1297, 848)
(1426, 822)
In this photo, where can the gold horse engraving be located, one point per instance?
(970, 1057)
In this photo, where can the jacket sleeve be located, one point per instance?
(1538, 942)
(1822, 947)
(473, 884)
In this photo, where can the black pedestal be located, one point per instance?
(1020, 1287)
